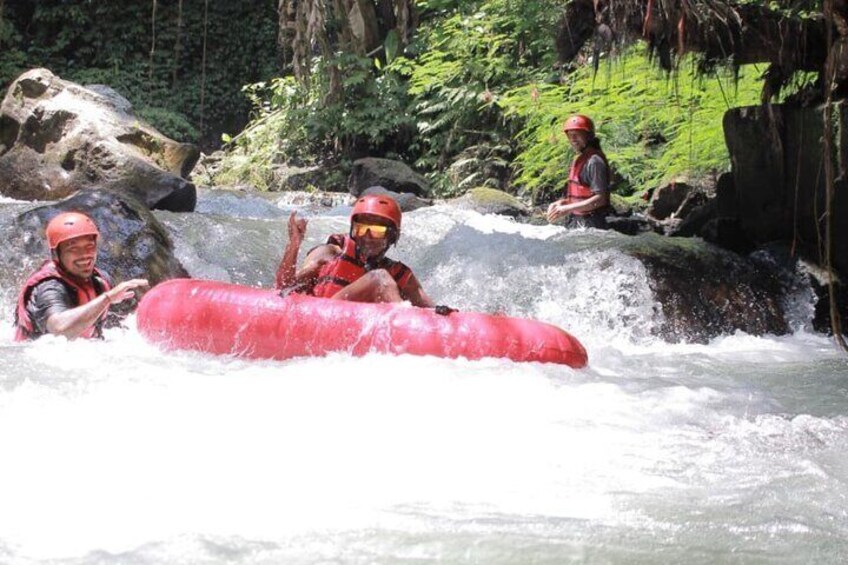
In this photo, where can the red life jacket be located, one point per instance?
(575, 191)
(347, 268)
(83, 293)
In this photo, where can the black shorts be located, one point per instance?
(598, 220)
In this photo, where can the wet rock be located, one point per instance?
(314, 178)
(778, 158)
(831, 297)
(393, 175)
(57, 137)
(629, 225)
(710, 292)
(690, 218)
(314, 200)
(295, 178)
(779, 189)
(628, 217)
(620, 206)
(716, 220)
(207, 168)
(692, 202)
(406, 201)
(667, 200)
(490, 201)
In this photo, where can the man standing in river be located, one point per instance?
(587, 193)
(68, 295)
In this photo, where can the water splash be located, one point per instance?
(115, 452)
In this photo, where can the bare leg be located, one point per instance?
(374, 286)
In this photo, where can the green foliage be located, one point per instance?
(450, 84)
(173, 124)
(371, 109)
(654, 127)
(477, 90)
(274, 135)
(12, 64)
(97, 41)
(296, 123)
(801, 9)
(464, 57)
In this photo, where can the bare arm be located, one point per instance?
(73, 322)
(316, 259)
(286, 275)
(560, 208)
(416, 295)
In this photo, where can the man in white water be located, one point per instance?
(68, 295)
(587, 192)
(354, 266)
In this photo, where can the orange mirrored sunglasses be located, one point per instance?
(377, 231)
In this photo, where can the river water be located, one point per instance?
(735, 451)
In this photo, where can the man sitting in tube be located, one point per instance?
(354, 266)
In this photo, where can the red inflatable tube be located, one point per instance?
(228, 319)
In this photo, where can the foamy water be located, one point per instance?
(114, 446)
(732, 451)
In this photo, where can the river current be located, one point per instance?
(735, 451)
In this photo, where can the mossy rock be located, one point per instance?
(491, 201)
(625, 206)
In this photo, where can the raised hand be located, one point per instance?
(297, 229)
(286, 273)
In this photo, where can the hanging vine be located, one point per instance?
(151, 65)
(286, 21)
(827, 260)
(329, 26)
(177, 45)
(203, 62)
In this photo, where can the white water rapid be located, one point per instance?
(736, 451)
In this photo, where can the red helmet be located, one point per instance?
(579, 121)
(378, 205)
(69, 225)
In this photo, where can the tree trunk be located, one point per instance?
(360, 26)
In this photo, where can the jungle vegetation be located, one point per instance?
(470, 92)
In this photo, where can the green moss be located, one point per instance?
(486, 196)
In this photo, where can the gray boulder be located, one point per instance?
(393, 175)
(667, 200)
(57, 137)
(407, 202)
(706, 292)
(778, 174)
(289, 177)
